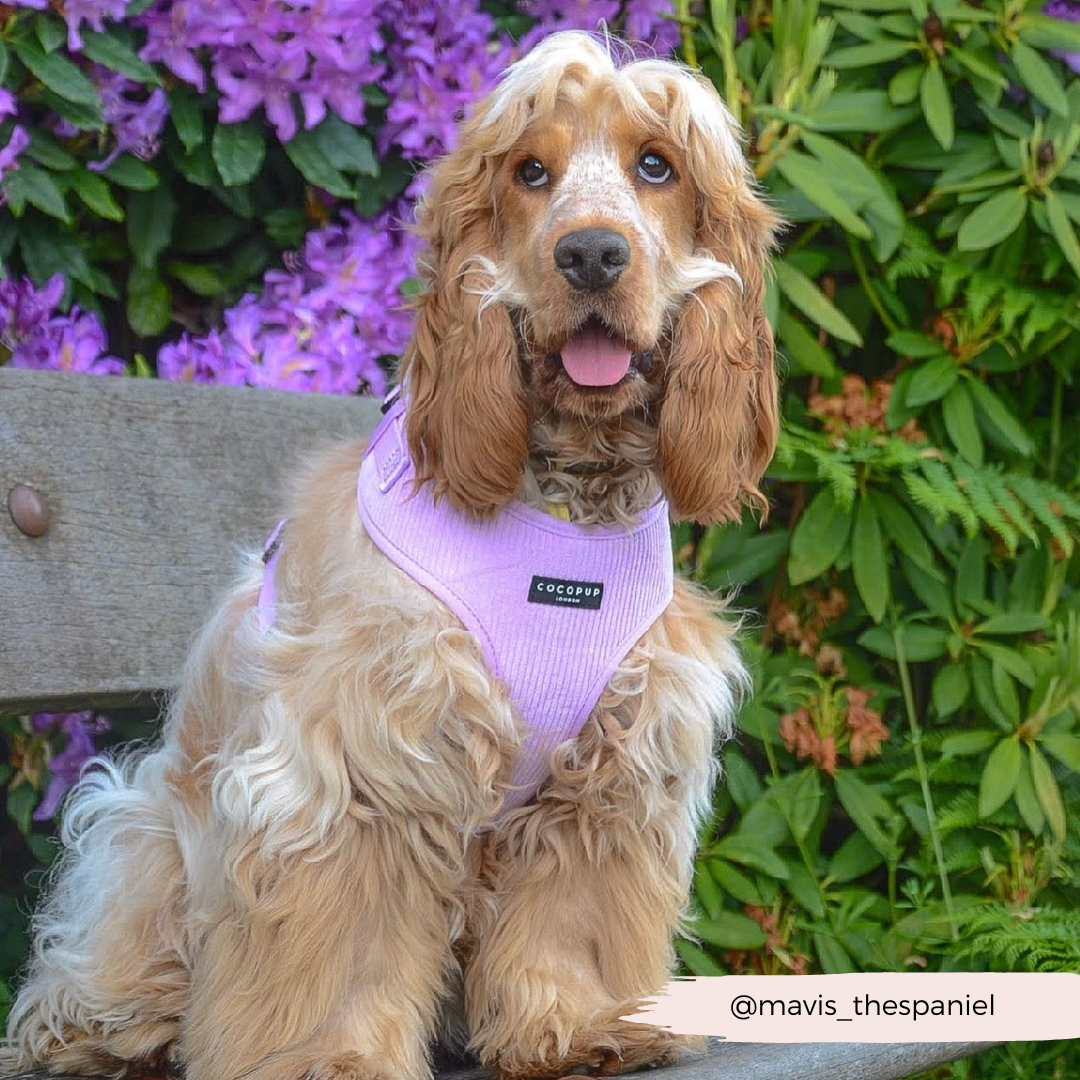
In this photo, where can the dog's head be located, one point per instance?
(596, 248)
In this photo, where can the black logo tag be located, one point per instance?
(561, 592)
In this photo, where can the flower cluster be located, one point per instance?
(76, 12)
(77, 731)
(803, 628)
(33, 334)
(323, 325)
(134, 117)
(19, 139)
(440, 58)
(317, 52)
(832, 721)
(779, 955)
(859, 405)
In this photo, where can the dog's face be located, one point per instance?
(598, 216)
(596, 248)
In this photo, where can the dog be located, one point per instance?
(337, 835)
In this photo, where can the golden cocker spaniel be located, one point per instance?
(322, 852)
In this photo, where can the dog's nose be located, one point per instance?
(592, 259)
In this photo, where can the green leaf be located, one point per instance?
(814, 304)
(187, 118)
(999, 776)
(931, 381)
(48, 250)
(150, 217)
(1048, 792)
(998, 415)
(84, 117)
(107, 49)
(950, 690)
(239, 151)
(96, 194)
(902, 529)
(1058, 218)
(200, 279)
(867, 809)
(904, 85)
(1027, 801)
(50, 32)
(958, 412)
(729, 931)
(735, 883)
(868, 560)
(1013, 622)
(1045, 32)
(705, 889)
(855, 857)
(992, 221)
(803, 347)
(1066, 748)
(345, 147)
(799, 796)
(61, 76)
(920, 642)
(746, 852)
(818, 184)
(29, 184)
(1038, 76)
(313, 165)
(129, 172)
(149, 305)
(915, 344)
(697, 961)
(868, 54)
(819, 538)
(968, 742)
(937, 106)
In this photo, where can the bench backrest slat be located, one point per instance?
(153, 489)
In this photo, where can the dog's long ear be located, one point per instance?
(719, 418)
(466, 425)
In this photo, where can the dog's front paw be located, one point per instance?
(348, 1066)
(605, 1048)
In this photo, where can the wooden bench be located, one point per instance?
(150, 490)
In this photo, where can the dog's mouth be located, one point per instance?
(595, 355)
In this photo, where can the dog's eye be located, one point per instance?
(653, 167)
(533, 173)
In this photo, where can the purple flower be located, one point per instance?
(95, 12)
(321, 325)
(78, 730)
(35, 335)
(18, 142)
(271, 55)
(1069, 11)
(135, 123)
(442, 57)
(644, 21)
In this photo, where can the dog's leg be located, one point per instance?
(334, 974)
(586, 890)
(342, 836)
(106, 984)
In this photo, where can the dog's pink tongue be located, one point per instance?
(592, 358)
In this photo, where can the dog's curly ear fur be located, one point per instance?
(719, 418)
(467, 427)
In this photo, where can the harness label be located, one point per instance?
(561, 592)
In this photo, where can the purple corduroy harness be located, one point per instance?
(555, 606)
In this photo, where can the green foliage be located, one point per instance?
(904, 787)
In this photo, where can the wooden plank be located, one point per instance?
(153, 489)
(775, 1061)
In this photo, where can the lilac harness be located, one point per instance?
(555, 606)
